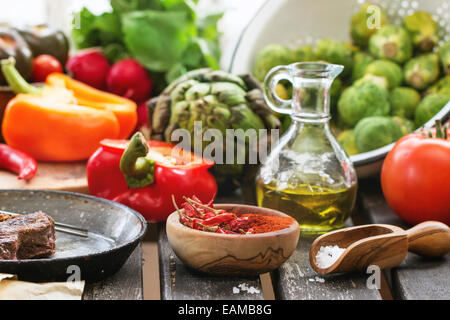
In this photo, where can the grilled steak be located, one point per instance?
(26, 237)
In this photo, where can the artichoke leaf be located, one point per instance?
(228, 93)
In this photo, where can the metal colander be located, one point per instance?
(396, 11)
(302, 22)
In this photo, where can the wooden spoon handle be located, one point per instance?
(429, 239)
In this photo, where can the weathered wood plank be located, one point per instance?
(416, 277)
(124, 285)
(179, 282)
(296, 280)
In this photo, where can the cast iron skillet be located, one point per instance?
(114, 232)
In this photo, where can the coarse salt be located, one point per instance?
(328, 255)
(245, 288)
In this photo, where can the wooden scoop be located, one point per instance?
(382, 245)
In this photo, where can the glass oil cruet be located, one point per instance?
(307, 174)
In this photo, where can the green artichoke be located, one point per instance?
(218, 100)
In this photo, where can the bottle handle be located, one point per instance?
(270, 82)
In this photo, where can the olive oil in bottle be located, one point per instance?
(317, 210)
(307, 174)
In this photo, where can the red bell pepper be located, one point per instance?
(144, 176)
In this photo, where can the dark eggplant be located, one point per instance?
(13, 45)
(43, 39)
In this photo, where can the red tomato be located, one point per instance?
(44, 65)
(415, 179)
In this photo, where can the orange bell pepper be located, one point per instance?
(123, 109)
(65, 120)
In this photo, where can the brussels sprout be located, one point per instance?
(337, 52)
(379, 81)
(364, 99)
(376, 132)
(282, 92)
(406, 125)
(404, 102)
(423, 30)
(365, 22)
(353, 48)
(442, 86)
(444, 55)
(347, 140)
(387, 69)
(303, 54)
(429, 106)
(422, 71)
(269, 57)
(335, 93)
(286, 123)
(360, 62)
(391, 42)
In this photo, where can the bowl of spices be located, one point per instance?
(234, 239)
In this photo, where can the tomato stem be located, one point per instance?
(439, 132)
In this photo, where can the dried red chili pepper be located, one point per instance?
(219, 219)
(224, 231)
(239, 223)
(18, 162)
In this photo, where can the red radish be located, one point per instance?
(89, 66)
(127, 78)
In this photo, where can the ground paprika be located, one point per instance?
(264, 224)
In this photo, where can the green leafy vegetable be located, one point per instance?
(157, 39)
(168, 37)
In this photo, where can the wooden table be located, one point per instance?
(416, 278)
(124, 285)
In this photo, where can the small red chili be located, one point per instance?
(18, 162)
(239, 223)
(219, 219)
(224, 231)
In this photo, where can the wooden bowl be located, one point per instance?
(225, 254)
